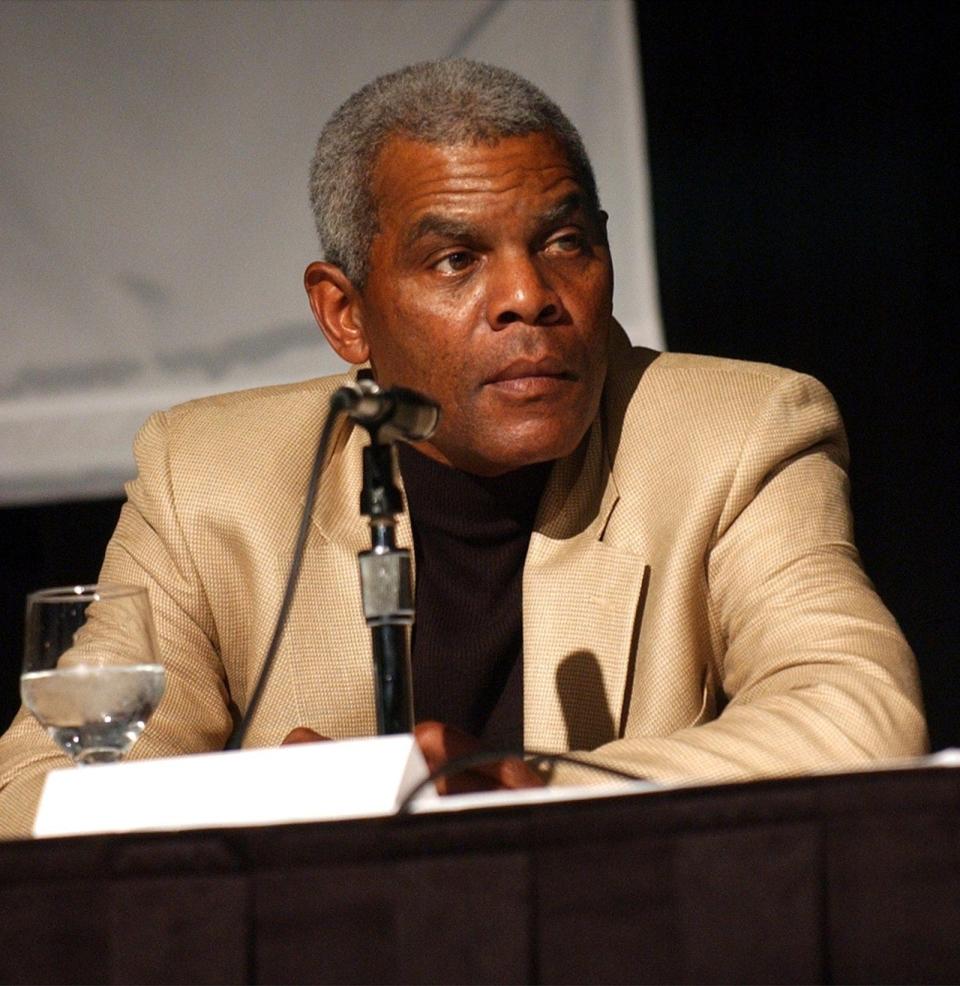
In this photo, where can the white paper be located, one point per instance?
(533, 796)
(304, 782)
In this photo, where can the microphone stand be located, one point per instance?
(386, 584)
(385, 570)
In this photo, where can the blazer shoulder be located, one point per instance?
(693, 418)
(266, 404)
(691, 368)
(260, 440)
(251, 417)
(690, 388)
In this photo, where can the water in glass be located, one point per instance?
(90, 671)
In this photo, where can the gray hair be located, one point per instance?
(443, 103)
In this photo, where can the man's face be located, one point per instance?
(489, 290)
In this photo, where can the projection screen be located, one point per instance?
(154, 224)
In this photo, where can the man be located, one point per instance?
(642, 558)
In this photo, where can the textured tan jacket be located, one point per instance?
(695, 552)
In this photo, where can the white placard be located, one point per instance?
(304, 782)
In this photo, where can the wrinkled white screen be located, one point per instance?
(154, 224)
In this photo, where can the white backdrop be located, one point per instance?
(154, 224)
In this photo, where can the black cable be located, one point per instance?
(337, 407)
(533, 758)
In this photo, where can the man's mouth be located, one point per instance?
(531, 375)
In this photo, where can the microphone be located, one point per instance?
(391, 413)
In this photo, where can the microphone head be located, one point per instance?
(415, 416)
(388, 414)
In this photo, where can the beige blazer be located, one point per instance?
(695, 554)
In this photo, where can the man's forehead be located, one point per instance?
(414, 177)
(451, 227)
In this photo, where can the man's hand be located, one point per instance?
(440, 743)
(303, 735)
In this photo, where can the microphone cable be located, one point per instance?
(533, 758)
(338, 406)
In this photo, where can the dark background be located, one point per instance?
(804, 207)
(805, 213)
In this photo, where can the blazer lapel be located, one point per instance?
(336, 514)
(580, 600)
(327, 645)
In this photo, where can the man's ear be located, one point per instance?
(602, 219)
(335, 304)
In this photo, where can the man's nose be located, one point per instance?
(521, 291)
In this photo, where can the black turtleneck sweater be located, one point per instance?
(470, 538)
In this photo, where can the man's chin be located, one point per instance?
(519, 451)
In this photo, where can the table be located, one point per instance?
(852, 878)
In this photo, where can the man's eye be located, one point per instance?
(566, 244)
(454, 263)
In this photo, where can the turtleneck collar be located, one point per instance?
(469, 507)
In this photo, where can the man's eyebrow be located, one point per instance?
(444, 227)
(562, 211)
(441, 226)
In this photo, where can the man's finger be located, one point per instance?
(303, 735)
(441, 743)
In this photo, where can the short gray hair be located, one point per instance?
(443, 103)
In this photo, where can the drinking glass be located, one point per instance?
(91, 674)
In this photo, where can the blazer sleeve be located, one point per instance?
(815, 673)
(148, 548)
